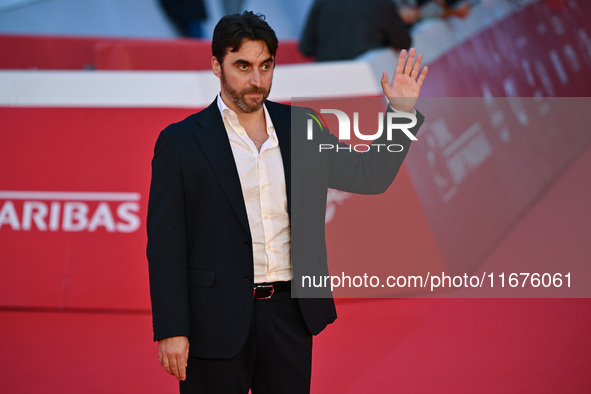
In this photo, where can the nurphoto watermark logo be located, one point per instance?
(388, 124)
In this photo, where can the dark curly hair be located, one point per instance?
(232, 30)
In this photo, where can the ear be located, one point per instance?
(216, 67)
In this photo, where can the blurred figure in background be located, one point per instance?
(345, 29)
(186, 15)
(457, 8)
(412, 11)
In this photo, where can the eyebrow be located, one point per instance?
(245, 62)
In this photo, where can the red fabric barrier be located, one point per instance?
(484, 161)
(76, 53)
(542, 50)
(46, 52)
(185, 55)
(76, 251)
(289, 53)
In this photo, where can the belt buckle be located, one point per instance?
(266, 287)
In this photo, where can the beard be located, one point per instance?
(247, 105)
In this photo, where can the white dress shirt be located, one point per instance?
(263, 188)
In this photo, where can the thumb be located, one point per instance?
(384, 80)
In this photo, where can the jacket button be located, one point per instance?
(247, 243)
(248, 279)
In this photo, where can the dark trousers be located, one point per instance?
(276, 358)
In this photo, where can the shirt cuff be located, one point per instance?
(414, 110)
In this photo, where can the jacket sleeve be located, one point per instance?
(167, 242)
(371, 172)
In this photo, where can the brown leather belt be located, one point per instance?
(264, 291)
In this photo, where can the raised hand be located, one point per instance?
(403, 92)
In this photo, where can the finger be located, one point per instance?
(386, 89)
(416, 67)
(174, 369)
(165, 363)
(400, 63)
(409, 61)
(422, 76)
(384, 82)
(183, 368)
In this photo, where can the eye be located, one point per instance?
(243, 67)
(266, 67)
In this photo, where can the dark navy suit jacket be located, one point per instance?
(199, 245)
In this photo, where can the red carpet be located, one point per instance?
(377, 346)
(380, 346)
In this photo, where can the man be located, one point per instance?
(221, 226)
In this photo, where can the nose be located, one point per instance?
(255, 78)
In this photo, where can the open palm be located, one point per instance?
(403, 92)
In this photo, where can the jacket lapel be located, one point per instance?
(211, 135)
(213, 139)
(281, 117)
